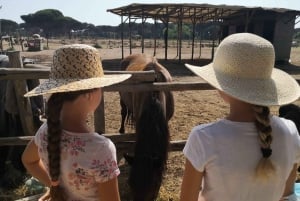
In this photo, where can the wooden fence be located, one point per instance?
(140, 81)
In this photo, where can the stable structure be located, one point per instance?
(274, 24)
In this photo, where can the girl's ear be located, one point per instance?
(88, 95)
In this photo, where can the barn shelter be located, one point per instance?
(274, 24)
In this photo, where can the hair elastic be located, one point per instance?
(54, 183)
(266, 152)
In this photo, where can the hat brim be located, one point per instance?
(280, 89)
(64, 85)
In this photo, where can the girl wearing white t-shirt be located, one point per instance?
(250, 155)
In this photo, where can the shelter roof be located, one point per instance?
(188, 12)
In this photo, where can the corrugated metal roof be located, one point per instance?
(188, 12)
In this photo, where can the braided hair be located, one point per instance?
(54, 106)
(265, 168)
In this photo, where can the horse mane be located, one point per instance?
(152, 110)
(151, 152)
(143, 62)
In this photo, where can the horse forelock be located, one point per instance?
(135, 101)
(140, 62)
(136, 66)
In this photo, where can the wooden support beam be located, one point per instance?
(31, 198)
(20, 87)
(160, 86)
(43, 73)
(99, 117)
(140, 81)
(23, 140)
(122, 141)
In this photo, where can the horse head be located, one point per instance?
(150, 111)
(132, 102)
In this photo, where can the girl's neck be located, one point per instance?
(74, 120)
(241, 112)
(75, 125)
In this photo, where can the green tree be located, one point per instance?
(8, 27)
(51, 21)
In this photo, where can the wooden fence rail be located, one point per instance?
(123, 142)
(140, 81)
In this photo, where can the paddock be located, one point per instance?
(140, 81)
(199, 92)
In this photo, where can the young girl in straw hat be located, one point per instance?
(250, 154)
(66, 154)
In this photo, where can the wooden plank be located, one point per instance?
(130, 85)
(122, 141)
(24, 105)
(23, 73)
(43, 73)
(23, 140)
(11, 141)
(99, 117)
(117, 137)
(160, 86)
(37, 66)
(129, 146)
(31, 198)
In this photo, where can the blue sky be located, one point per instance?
(94, 11)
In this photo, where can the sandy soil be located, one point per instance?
(191, 107)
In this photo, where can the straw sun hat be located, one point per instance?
(243, 67)
(76, 67)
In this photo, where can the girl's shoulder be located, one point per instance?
(283, 125)
(90, 142)
(93, 137)
(281, 122)
(208, 126)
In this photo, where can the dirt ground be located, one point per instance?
(191, 107)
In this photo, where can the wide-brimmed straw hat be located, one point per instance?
(243, 67)
(76, 67)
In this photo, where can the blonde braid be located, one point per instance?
(265, 168)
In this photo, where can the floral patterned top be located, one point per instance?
(86, 160)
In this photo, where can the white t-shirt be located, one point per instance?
(228, 153)
(87, 159)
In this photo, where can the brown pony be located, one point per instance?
(131, 102)
(149, 112)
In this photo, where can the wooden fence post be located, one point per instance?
(99, 119)
(24, 105)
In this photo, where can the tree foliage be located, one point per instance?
(8, 26)
(51, 21)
